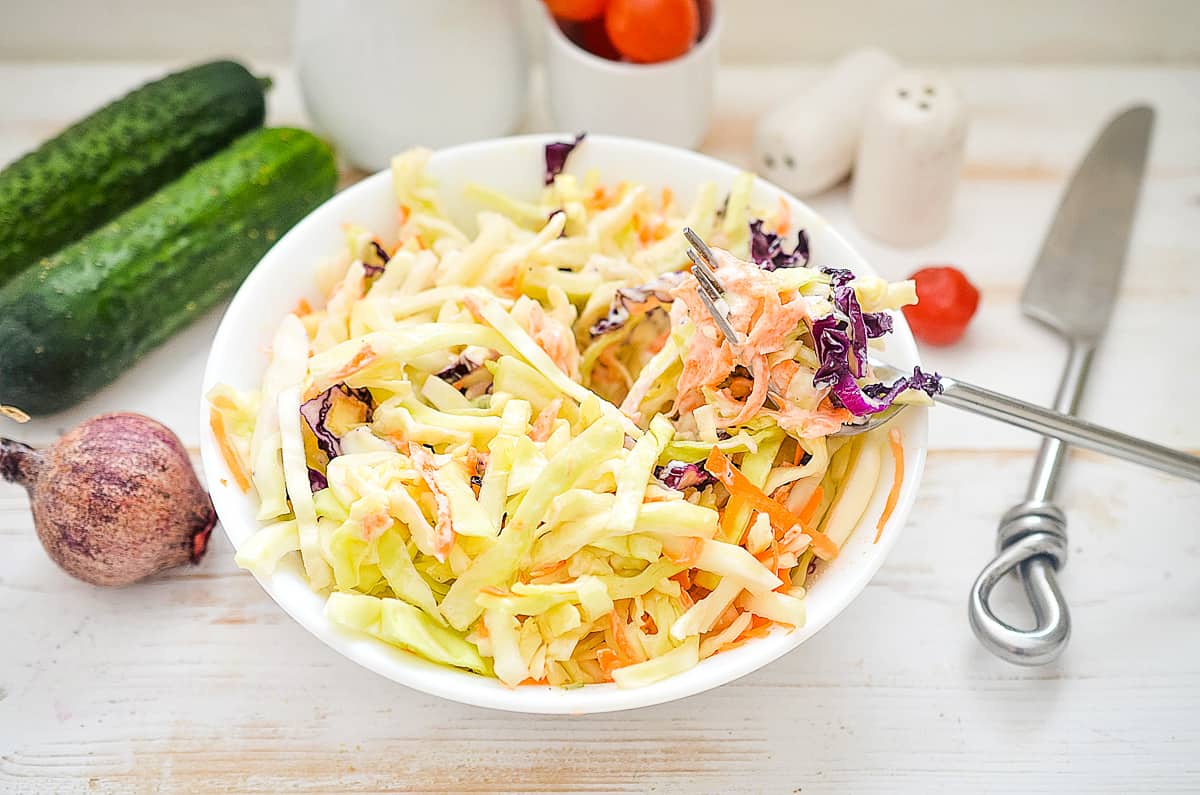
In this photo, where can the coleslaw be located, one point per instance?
(527, 452)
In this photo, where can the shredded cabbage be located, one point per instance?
(490, 447)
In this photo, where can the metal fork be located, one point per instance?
(961, 394)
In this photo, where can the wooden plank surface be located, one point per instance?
(198, 682)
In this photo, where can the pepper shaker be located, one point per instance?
(910, 159)
(807, 144)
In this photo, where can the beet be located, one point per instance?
(115, 500)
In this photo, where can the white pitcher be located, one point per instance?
(379, 76)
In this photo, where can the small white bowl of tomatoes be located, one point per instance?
(639, 68)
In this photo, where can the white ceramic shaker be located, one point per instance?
(910, 159)
(379, 76)
(807, 144)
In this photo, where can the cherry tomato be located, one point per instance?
(649, 31)
(594, 38)
(577, 10)
(946, 301)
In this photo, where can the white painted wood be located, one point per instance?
(198, 682)
(756, 31)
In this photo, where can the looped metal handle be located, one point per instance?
(1032, 540)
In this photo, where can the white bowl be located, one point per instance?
(515, 165)
(669, 102)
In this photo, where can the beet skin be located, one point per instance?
(115, 500)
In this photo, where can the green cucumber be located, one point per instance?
(119, 155)
(78, 319)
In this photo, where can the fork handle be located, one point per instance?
(1066, 428)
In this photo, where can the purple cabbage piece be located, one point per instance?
(766, 249)
(316, 480)
(461, 368)
(556, 156)
(629, 297)
(316, 412)
(863, 325)
(833, 345)
(680, 475)
(877, 323)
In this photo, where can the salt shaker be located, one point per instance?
(909, 159)
(807, 144)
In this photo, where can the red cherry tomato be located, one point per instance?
(649, 31)
(577, 10)
(594, 38)
(946, 301)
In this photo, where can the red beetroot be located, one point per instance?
(115, 500)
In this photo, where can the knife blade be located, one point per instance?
(1075, 279)
(1072, 289)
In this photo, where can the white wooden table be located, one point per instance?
(198, 682)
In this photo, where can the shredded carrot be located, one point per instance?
(810, 508)
(759, 628)
(544, 424)
(228, 453)
(798, 455)
(404, 214)
(783, 217)
(532, 681)
(732, 509)
(649, 626)
(667, 197)
(686, 550)
(740, 387)
(684, 578)
(303, 307)
(727, 617)
(781, 518)
(896, 443)
(609, 661)
(629, 652)
(542, 571)
(444, 526)
(223, 402)
(360, 360)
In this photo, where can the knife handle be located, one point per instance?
(1032, 538)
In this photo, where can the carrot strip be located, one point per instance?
(628, 652)
(684, 551)
(895, 441)
(783, 217)
(810, 508)
(542, 571)
(729, 517)
(544, 424)
(684, 578)
(609, 661)
(232, 460)
(781, 518)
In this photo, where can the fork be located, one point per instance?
(959, 394)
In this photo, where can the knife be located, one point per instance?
(1072, 290)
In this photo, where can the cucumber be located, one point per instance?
(78, 319)
(119, 155)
